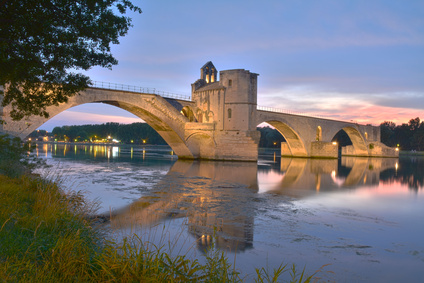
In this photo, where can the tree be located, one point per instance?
(42, 40)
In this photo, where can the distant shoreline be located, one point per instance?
(98, 143)
(411, 153)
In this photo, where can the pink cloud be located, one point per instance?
(375, 114)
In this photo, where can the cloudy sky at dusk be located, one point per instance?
(350, 60)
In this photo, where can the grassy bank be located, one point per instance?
(45, 237)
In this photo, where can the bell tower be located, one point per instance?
(208, 73)
(225, 112)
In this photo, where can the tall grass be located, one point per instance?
(45, 236)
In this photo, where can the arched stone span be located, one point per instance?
(310, 129)
(359, 146)
(151, 108)
(295, 145)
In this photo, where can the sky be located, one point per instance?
(341, 59)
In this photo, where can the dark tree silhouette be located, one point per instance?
(42, 40)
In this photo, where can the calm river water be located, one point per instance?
(364, 217)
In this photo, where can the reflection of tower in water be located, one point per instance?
(222, 216)
(214, 196)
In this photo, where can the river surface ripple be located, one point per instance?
(363, 217)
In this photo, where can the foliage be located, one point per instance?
(408, 136)
(42, 40)
(135, 132)
(45, 237)
(270, 137)
(14, 156)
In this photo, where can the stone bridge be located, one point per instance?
(220, 121)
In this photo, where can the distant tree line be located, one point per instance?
(408, 136)
(126, 133)
(270, 137)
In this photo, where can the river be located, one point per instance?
(364, 217)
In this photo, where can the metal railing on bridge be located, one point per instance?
(286, 111)
(138, 89)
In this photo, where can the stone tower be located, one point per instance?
(225, 110)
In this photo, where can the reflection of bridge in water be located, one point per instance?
(220, 196)
(220, 121)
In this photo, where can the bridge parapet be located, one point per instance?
(138, 89)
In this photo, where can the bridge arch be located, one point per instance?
(153, 109)
(294, 144)
(201, 145)
(358, 147)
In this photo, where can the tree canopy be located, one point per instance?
(408, 136)
(42, 41)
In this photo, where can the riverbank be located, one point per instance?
(46, 236)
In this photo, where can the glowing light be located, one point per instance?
(396, 166)
(334, 143)
(397, 149)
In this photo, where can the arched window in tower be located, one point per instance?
(229, 113)
(230, 82)
(208, 75)
(319, 134)
(366, 136)
(213, 75)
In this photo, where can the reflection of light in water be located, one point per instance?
(64, 150)
(365, 179)
(144, 153)
(337, 180)
(318, 182)
(45, 148)
(75, 149)
(268, 181)
(115, 151)
(396, 168)
(132, 152)
(55, 148)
